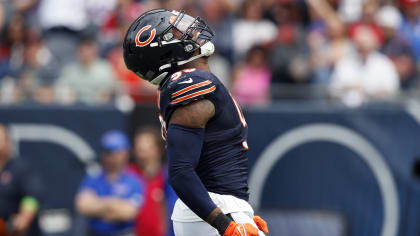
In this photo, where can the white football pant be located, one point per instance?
(202, 228)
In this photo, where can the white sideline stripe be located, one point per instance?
(57, 135)
(335, 134)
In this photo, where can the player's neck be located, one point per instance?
(200, 63)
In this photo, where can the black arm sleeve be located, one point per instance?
(184, 149)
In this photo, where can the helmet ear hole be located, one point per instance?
(168, 36)
(189, 48)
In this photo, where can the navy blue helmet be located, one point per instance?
(160, 40)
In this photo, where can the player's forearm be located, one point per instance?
(192, 192)
(184, 149)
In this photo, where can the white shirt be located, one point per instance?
(100, 10)
(376, 77)
(248, 33)
(58, 13)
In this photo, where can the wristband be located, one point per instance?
(29, 203)
(221, 223)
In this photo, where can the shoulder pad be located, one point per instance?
(185, 87)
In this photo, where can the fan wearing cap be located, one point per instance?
(111, 198)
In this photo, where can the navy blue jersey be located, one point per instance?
(223, 165)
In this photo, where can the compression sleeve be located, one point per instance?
(184, 148)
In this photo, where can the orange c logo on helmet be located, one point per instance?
(151, 37)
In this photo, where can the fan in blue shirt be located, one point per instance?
(111, 198)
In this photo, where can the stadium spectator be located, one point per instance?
(63, 22)
(369, 10)
(111, 199)
(251, 29)
(2, 16)
(288, 57)
(396, 47)
(366, 74)
(252, 83)
(27, 63)
(219, 14)
(304, 40)
(327, 39)
(11, 8)
(159, 198)
(221, 68)
(20, 6)
(100, 12)
(36, 82)
(21, 191)
(350, 10)
(90, 80)
(12, 46)
(410, 27)
(107, 16)
(138, 89)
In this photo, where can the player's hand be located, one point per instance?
(235, 229)
(262, 225)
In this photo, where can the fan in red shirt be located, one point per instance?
(159, 198)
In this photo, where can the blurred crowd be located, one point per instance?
(128, 196)
(69, 51)
(128, 199)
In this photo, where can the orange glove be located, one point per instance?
(262, 225)
(235, 229)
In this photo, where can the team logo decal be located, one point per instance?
(151, 37)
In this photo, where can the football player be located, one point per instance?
(204, 128)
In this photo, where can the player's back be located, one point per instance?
(223, 161)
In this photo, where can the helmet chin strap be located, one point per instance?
(206, 50)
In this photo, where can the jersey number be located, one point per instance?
(163, 127)
(178, 74)
(240, 113)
